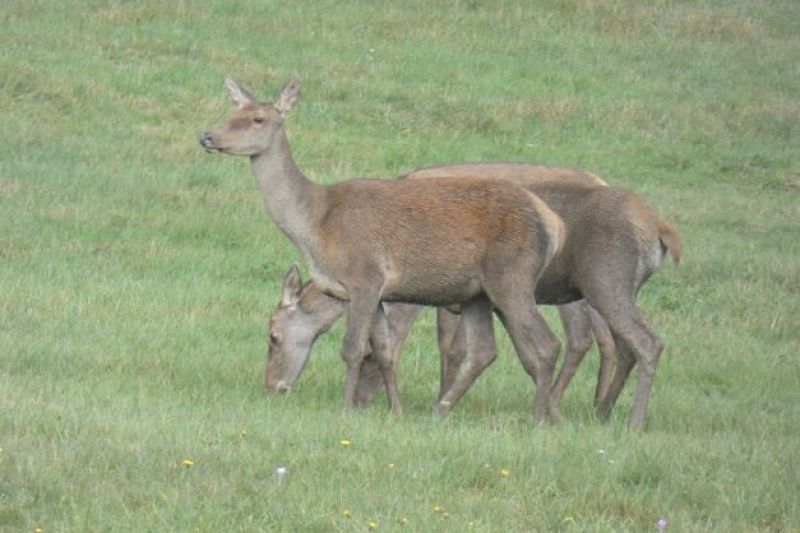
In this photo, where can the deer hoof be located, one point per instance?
(442, 408)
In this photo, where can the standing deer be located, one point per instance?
(615, 241)
(477, 243)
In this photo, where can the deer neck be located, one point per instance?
(288, 195)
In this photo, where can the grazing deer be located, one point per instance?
(615, 241)
(477, 243)
(305, 312)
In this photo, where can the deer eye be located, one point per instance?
(259, 119)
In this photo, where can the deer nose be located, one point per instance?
(206, 139)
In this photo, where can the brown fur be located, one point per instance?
(615, 241)
(670, 239)
(517, 172)
(622, 222)
(471, 242)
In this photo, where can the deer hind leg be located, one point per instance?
(578, 333)
(635, 343)
(608, 357)
(481, 351)
(536, 346)
(625, 362)
(452, 340)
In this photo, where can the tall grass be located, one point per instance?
(137, 272)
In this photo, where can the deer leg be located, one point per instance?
(577, 330)
(536, 346)
(380, 342)
(607, 349)
(625, 362)
(452, 347)
(400, 318)
(635, 343)
(537, 349)
(360, 313)
(370, 380)
(481, 351)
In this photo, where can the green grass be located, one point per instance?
(137, 272)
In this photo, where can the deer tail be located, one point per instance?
(670, 239)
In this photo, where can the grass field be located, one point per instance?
(137, 272)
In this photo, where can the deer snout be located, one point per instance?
(279, 387)
(207, 140)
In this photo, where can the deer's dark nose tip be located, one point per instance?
(206, 139)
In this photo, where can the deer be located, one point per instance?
(615, 242)
(479, 244)
(304, 312)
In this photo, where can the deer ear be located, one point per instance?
(292, 285)
(289, 96)
(239, 95)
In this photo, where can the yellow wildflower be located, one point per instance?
(345, 443)
(392, 466)
(437, 507)
(346, 514)
(372, 524)
(402, 520)
(188, 462)
(505, 472)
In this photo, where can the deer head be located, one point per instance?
(252, 128)
(303, 314)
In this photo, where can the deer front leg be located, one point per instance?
(400, 318)
(370, 381)
(480, 350)
(360, 314)
(380, 341)
(452, 347)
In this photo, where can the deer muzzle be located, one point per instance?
(207, 141)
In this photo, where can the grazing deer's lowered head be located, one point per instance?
(303, 314)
